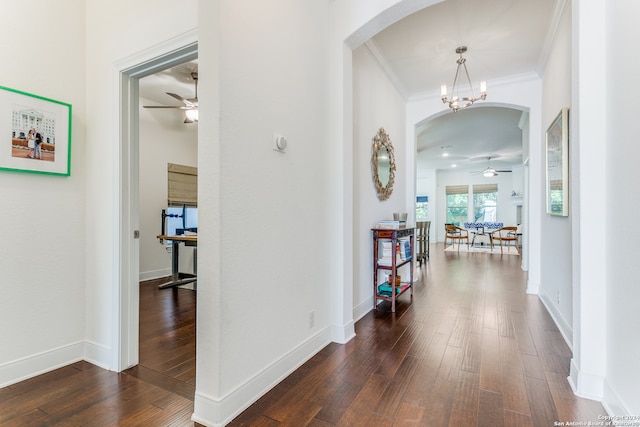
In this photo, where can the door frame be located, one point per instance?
(127, 294)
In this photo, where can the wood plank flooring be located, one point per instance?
(157, 392)
(167, 338)
(471, 349)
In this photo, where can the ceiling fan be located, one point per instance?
(190, 106)
(490, 171)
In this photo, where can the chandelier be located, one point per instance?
(456, 102)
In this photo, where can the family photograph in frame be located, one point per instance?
(35, 133)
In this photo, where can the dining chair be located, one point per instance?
(422, 237)
(505, 234)
(454, 233)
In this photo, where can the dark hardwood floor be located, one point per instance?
(167, 338)
(472, 349)
(157, 392)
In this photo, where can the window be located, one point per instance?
(182, 185)
(422, 208)
(485, 201)
(182, 200)
(457, 203)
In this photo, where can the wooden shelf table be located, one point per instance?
(392, 234)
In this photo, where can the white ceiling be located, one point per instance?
(469, 138)
(504, 38)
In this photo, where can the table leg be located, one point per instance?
(175, 274)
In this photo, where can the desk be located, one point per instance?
(176, 279)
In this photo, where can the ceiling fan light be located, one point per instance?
(191, 116)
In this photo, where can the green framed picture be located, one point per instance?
(35, 133)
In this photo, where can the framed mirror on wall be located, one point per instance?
(383, 164)
(557, 163)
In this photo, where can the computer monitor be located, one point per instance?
(190, 219)
(173, 220)
(180, 218)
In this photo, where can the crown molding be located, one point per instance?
(373, 50)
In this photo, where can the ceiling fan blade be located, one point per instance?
(503, 171)
(176, 96)
(188, 102)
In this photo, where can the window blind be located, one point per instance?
(485, 188)
(555, 184)
(182, 185)
(457, 189)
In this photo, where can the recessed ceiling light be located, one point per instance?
(453, 166)
(445, 150)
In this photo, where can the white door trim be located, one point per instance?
(126, 294)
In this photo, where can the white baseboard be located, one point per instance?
(212, 411)
(98, 355)
(614, 405)
(585, 385)
(363, 308)
(37, 364)
(154, 274)
(343, 334)
(532, 288)
(563, 326)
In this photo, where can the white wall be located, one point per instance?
(426, 185)
(588, 138)
(556, 285)
(164, 138)
(376, 104)
(623, 204)
(42, 264)
(254, 312)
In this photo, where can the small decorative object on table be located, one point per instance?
(397, 216)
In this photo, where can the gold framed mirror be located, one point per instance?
(383, 164)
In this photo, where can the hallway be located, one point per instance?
(471, 350)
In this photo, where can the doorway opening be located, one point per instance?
(126, 340)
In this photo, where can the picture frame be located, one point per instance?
(557, 165)
(35, 133)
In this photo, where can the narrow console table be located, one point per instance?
(390, 290)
